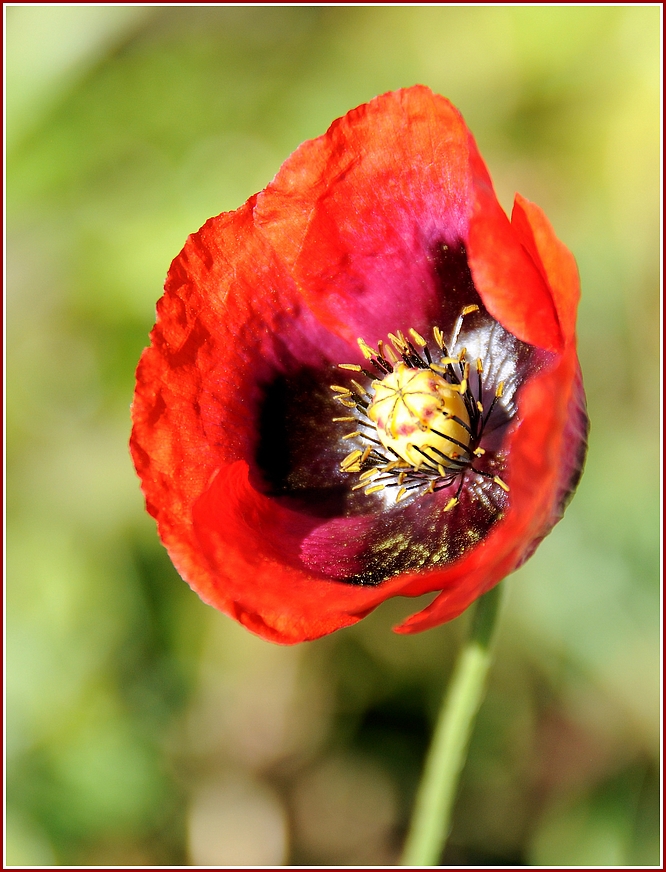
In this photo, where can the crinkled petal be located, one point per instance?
(553, 260)
(249, 545)
(360, 212)
(507, 278)
(200, 389)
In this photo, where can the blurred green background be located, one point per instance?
(144, 728)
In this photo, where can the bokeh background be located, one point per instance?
(144, 728)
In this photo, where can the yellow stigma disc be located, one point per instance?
(414, 412)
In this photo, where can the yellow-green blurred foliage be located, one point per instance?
(144, 728)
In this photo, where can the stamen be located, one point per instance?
(464, 447)
(398, 343)
(366, 351)
(417, 338)
(431, 463)
(350, 459)
(444, 365)
(461, 388)
(463, 425)
(425, 415)
(498, 394)
(467, 310)
(452, 460)
(479, 375)
(369, 438)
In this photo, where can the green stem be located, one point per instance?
(431, 820)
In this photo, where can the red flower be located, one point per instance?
(387, 223)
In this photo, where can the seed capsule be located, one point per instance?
(422, 418)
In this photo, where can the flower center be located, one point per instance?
(422, 418)
(420, 425)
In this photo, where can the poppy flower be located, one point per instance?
(363, 383)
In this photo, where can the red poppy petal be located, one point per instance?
(553, 259)
(416, 180)
(359, 212)
(509, 281)
(248, 544)
(199, 386)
